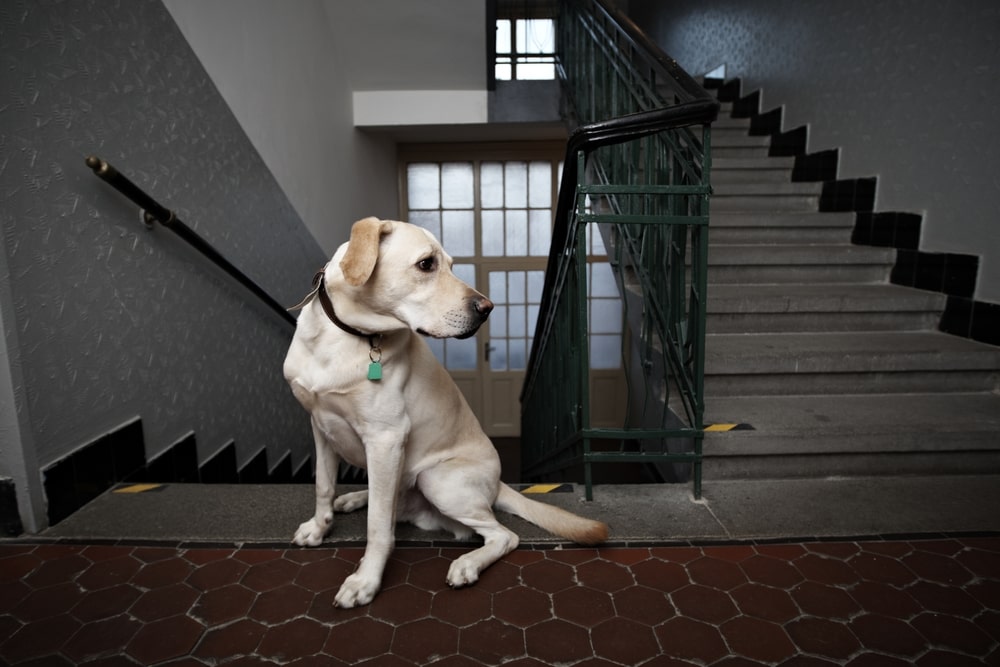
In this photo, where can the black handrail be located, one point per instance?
(154, 212)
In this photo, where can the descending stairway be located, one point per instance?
(837, 371)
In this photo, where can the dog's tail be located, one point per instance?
(553, 519)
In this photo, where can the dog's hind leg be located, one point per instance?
(498, 542)
(469, 502)
(349, 502)
(312, 532)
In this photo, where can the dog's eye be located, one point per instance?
(427, 264)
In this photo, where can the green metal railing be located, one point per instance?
(641, 180)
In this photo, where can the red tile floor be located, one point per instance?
(872, 602)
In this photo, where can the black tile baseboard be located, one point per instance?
(10, 517)
(119, 456)
(952, 274)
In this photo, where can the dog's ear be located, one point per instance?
(362, 251)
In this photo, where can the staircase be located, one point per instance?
(836, 371)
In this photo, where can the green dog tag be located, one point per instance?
(375, 370)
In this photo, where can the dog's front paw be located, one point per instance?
(311, 533)
(463, 572)
(356, 590)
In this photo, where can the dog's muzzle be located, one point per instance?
(481, 309)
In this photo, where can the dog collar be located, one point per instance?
(374, 339)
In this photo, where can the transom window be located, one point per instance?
(525, 49)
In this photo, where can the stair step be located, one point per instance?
(752, 170)
(821, 308)
(852, 362)
(768, 190)
(768, 227)
(853, 434)
(740, 152)
(752, 163)
(726, 122)
(770, 264)
(771, 196)
(739, 138)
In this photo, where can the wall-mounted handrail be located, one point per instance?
(153, 211)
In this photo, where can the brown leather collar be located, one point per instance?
(324, 299)
(319, 288)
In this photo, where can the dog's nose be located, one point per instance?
(483, 306)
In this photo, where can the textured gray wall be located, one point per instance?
(906, 88)
(106, 320)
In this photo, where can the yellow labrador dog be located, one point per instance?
(379, 399)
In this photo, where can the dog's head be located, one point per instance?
(397, 275)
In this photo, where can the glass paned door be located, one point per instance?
(493, 214)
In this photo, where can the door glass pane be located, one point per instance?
(516, 285)
(498, 354)
(498, 320)
(602, 280)
(498, 287)
(460, 355)
(605, 352)
(454, 354)
(605, 316)
(518, 324)
(516, 352)
(423, 185)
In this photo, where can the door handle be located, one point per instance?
(487, 348)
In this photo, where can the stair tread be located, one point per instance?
(845, 352)
(739, 140)
(767, 189)
(780, 219)
(814, 297)
(753, 163)
(854, 422)
(765, 254)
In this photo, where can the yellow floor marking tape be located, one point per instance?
(721, 428)
(541, 488)
(137, 488)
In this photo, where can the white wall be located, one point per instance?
(906, 88)
(286, 79)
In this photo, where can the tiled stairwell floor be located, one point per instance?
(928, 601)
